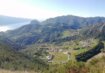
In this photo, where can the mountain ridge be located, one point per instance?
(52, 29)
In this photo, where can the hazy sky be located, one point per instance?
(42, 9)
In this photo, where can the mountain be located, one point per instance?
(58, 29)
(96, 31)
(73, 22)
(26, 34)
(10, 43)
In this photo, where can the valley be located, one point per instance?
(62, 44)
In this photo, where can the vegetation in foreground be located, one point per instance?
(94, 66)
(13, 60)
(10, 71)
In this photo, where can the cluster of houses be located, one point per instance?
(54, 50)
(50, 56)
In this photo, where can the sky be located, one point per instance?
(43, 9)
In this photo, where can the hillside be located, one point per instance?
(96, 31)
(13, 60)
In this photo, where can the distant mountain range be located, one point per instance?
(7, 20)
(58, 29)
(10, 23)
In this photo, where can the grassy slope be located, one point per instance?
(12, 60)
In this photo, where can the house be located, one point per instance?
(60, 50)
(49, 57)
(65, 52)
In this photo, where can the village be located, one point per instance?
(58, 55)
(62, 55)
